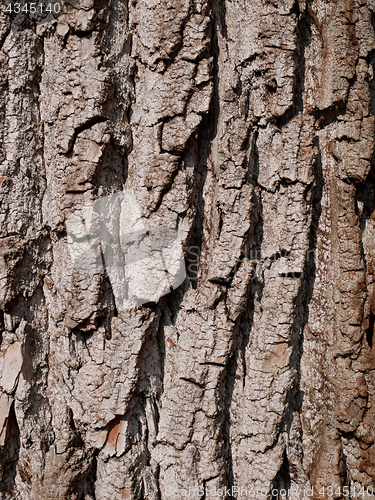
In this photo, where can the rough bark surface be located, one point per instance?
(247, 125)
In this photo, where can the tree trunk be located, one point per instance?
(245, 128)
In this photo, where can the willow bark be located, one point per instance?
(248, 126)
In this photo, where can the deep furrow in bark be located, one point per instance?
(247, 128)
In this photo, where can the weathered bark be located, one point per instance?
(248, 126)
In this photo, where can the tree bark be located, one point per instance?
(247, 127)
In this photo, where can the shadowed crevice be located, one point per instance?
(294, 399)
(282, 480)
(303, 40)
(242, 331)
(370, 330)
(9, 454)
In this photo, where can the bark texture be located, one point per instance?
(248, 126)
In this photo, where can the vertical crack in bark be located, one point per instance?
(247, 127)
(9, 456)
